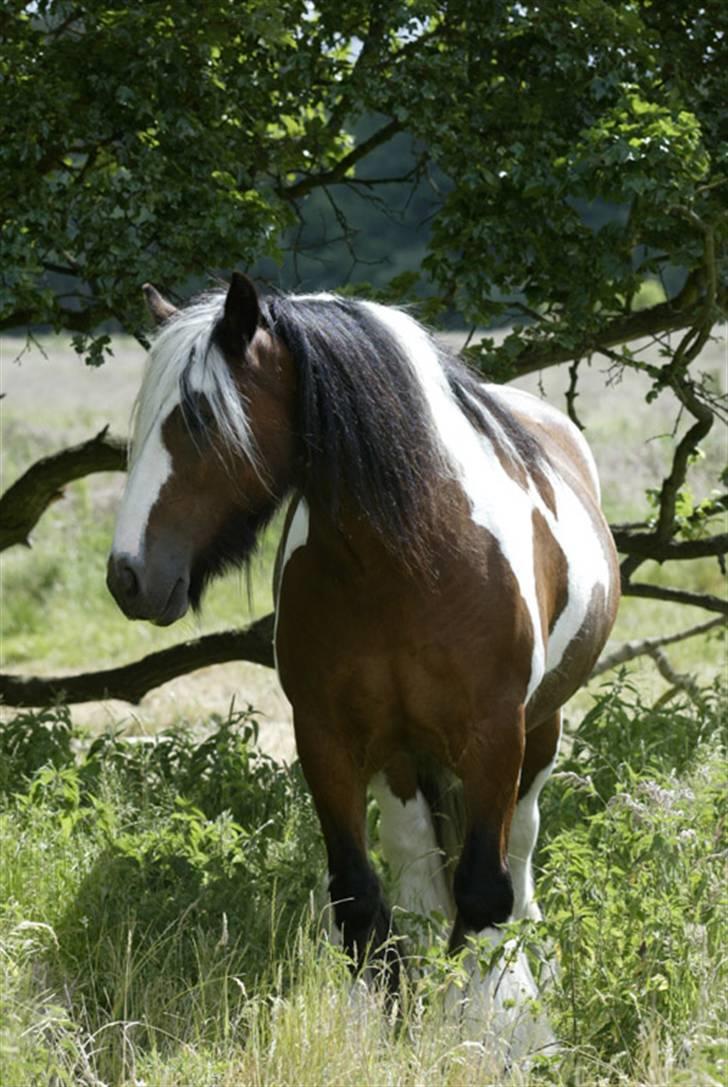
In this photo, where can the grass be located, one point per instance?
(161, 918)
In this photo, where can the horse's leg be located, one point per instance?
(500, 1002)
(489, 770)
(339, 793)
(542, 745)
(409, 844)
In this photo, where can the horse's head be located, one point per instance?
(210, 455)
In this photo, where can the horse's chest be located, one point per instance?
(402, 663)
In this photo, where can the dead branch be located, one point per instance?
(649, 646)
(676, 596)
(28, 498)
(130, 682)
(572, 394)
(679, 681)
(647, 545)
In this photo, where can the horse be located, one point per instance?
(445, 581)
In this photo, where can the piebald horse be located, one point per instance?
(445, 581)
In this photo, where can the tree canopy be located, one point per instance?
(158, 141)
(570, 158)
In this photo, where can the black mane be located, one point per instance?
(362, 419)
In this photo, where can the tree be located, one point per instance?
(577, 150)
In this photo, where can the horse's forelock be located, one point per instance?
(185, 358)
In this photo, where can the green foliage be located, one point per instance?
(622, 738)
(573, 151)
(693, 517)
(632, 878)
(180, 863)
(30, 741)
(154, 893)
(130, 119)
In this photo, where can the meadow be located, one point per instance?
(161, 914)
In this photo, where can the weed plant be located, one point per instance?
(161, 921)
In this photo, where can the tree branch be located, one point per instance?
(308, 182)
(648, 646)
(648, 545)
(676, 596)
(130, 682)
(672, 316)
(27, 499)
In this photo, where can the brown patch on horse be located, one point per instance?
(508, 460)
(401, 775)
(409, 665)
(541, 745)
(552, 573)
(544, 488)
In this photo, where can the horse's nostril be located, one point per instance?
(128, 581)
(123, 580)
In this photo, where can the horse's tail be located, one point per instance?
(443, 792)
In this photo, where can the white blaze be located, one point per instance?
(148, 474)
(181, 351)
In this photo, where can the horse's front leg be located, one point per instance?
(338, 788)
(500, 1001)
(489, 769)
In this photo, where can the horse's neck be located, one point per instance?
(352, 550)
(347, 544)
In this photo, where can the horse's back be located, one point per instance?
(562, 441)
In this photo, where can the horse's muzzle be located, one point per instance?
(161, 598)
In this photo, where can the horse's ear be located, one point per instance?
(242, 312)
(159, 307)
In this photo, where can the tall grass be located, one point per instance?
(162, 918)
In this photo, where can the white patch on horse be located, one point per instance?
(297, 536)
(498, 503)
(316, 296)
(409, 844)
(587, 564)
(521, 844)
(543, 412)
(147, 476)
